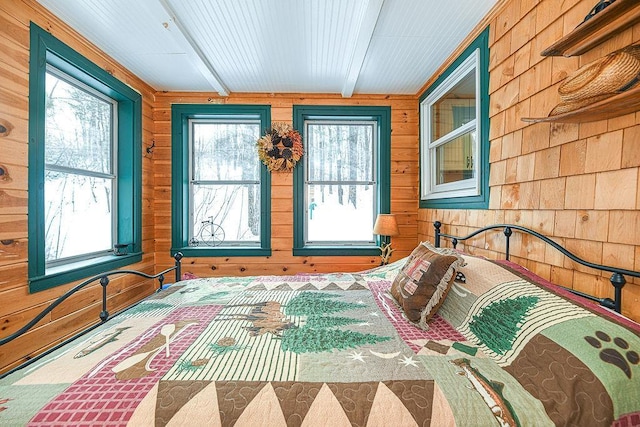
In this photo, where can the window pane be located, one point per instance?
(454, 160)
(77, 215)
(340, 152)
(225, 151)
(234, 208)
(455, 108)
(338, 213)
(78, 127)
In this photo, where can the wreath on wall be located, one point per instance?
(280, 148)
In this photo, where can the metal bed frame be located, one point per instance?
(104, 314)
(617, 277)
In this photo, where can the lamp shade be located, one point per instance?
(386, 225)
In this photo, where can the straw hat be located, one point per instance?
(568, 106)
(611, 74)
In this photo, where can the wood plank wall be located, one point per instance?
(17, 305)
(404, 186)
(576, 182)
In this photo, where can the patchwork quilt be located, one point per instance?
(505, 348)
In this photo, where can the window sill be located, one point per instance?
(469, 202)
(190, 251)
(337, 251)
(78, 270)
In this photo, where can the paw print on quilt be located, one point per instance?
(614, 351)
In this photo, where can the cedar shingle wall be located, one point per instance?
(576, 182)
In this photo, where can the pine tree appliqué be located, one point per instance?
(320, 331)
(498, 324)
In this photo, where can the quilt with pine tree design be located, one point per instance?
(506, 348)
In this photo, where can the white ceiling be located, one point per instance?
(277, 46)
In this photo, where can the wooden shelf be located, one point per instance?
(618, 105)
(607, 23)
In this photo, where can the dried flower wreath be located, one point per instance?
(280, 148)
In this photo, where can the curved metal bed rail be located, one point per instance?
(617, 277)
(104, 282)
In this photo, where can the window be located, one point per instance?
(79, 179)
(85, 166)
(221, 190)
(343, 181)
(454, 137)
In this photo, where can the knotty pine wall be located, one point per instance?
(404, 186)
(576, 182)
(17, 306)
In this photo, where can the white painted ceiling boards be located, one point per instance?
(274, 46)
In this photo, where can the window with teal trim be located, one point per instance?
(343, 181)
(220, 189)
(84, 166)
(454, 133)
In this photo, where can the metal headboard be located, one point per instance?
(617, 277)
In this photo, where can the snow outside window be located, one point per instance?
(224, 183)
(340, 187)
(80, 180)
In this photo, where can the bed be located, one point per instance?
(438, 338)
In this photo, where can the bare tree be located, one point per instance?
(77, 137)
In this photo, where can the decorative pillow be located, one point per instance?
(424, 281)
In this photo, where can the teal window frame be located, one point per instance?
(46, 49)
(180, 116)
(481, 200)
(379, 114)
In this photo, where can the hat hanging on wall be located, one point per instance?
(612, 74)
(569, 106)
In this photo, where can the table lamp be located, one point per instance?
(386, 226)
